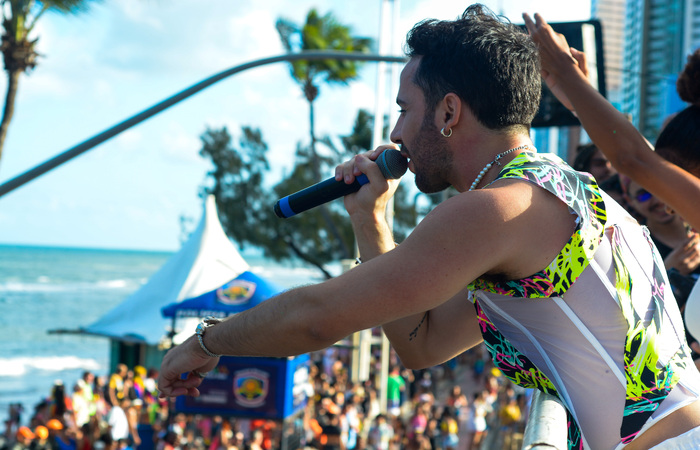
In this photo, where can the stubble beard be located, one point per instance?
(434, 161)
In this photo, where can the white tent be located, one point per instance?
(205, 262)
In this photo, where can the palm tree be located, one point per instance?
(18, 20)
(320, 33)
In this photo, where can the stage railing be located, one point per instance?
(546, 427)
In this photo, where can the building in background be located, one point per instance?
(611, 14)
(691, 34)
(659, 35)
(646, 44)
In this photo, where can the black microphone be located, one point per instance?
(390, 162)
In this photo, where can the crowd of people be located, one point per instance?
(95, 412)
(597, 326)
(463, 404)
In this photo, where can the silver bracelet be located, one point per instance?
(201, 328)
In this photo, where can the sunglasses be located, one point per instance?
(642, 195)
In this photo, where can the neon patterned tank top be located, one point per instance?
(598, 327)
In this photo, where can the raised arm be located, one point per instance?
(628, 151)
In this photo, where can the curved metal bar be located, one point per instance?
(86, 145)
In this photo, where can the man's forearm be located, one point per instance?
(608, 128)
(297, 314)
(373, 235)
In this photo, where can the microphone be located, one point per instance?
(390, 162)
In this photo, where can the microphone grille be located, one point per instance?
(392, 164)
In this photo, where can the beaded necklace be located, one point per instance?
(495, 161)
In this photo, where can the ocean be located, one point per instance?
(46, 288)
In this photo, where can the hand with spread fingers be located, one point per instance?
(556, 56)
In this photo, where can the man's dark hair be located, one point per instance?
(491, 64)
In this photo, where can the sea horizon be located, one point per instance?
(45, 287)
(83, 247)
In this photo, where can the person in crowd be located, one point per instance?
(119, 427)
(380, 433)
(64, 437)
(590, 159)
(25, 437)
(87, 383)
(41, 441)
(449, 430)
(81, 407)
(459, 403)
(527, 257)
(168, 441)
(509, 416)
(350, 424)
(677, 242)
(132, 410)
(149, 384)
(100, 392)
(60, 402)
(256, 442)
(418, 422)
(613, 187)
(476, 425)
(117, 389)
(331, 434)
(396, 386)
(55, 427)
(139, 387)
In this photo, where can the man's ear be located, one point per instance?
(447, 114)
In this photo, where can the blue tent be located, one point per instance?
(237, 295)
(267, 388)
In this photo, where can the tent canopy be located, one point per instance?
(205, 262)
(241, 293)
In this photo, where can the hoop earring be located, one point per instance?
(442, 132)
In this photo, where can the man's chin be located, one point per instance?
(430, 189)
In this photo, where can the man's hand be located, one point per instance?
(555, 56)
(380, 190)
(187, 358)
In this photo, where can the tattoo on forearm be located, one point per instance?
(414, 333)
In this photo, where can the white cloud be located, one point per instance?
(129, 140)
(180, 146)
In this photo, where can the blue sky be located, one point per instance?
(122, 57)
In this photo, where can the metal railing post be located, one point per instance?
(546, 427)
(88, 144)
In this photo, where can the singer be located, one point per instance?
(566, 290)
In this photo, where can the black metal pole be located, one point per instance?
(84, 146)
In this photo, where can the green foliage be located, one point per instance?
(19, 52)
(238, 176)
(246, 205)
(321, 33)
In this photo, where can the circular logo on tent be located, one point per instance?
(235, 292)
(250, 387)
